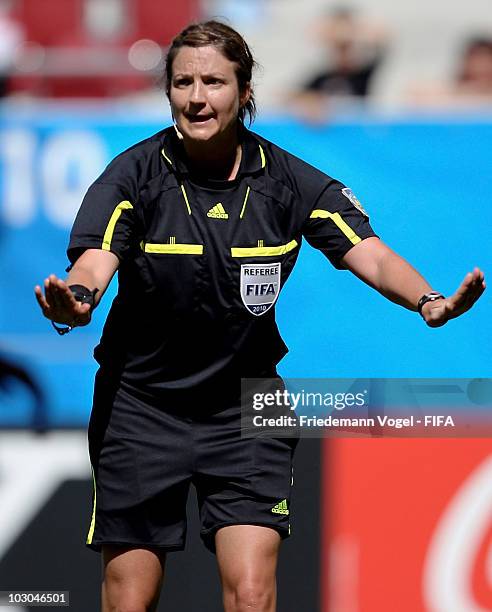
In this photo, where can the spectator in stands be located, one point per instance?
(470, 85)
(474, 78)
(355, 49)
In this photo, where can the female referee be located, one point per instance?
(203, 222)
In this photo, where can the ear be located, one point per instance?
(245, 95)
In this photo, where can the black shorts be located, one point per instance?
(144, 459)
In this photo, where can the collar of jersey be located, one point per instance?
(252, 160)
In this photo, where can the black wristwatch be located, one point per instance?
(84, 295)
(81, 294)
(429, 297)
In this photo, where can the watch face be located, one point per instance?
(83, 294)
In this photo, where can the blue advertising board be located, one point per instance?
(425, 184)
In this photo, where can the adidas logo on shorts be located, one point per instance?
(217, 212)
(281, 508)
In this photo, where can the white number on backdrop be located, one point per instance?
(55, 172)
(17, 149)
(70, 162)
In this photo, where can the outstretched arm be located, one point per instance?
(381, 268)
(94, 269)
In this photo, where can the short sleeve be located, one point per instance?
(104, 221)
(337, 222)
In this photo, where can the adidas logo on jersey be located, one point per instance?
(281, 508)
(217, 212)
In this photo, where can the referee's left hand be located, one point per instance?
(439, 312)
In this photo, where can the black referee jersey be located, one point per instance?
(202, 262)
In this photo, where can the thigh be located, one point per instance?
(247, 552)
(132, 578)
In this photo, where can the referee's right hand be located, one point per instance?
(59, 305)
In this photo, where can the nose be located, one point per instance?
(197, 95)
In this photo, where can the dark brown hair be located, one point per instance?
(230, 43)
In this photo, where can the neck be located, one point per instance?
(219, 159)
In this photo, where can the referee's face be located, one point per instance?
(204, 94)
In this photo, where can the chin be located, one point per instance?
(200, 134)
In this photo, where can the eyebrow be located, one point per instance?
(208, 74)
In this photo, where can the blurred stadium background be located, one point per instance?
(379, 524)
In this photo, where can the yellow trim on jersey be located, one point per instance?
(108, 234)
(186, 198)
(173, 248)
(339, 222)
(263, 251)
(90, 533)
(166, 157)
(263, 158)
(245, 202)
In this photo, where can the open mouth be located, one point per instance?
(199, 118)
